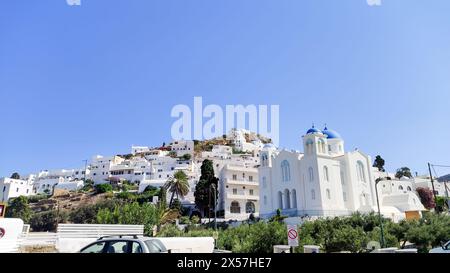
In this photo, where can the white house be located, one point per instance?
(182, 147)
(239, 192)
(11, 188)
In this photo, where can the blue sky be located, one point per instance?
(96, 78)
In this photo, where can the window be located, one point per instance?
(234, 177)
(294, 198)
(313, 195)
(326, 175)
(117, 247)
(328, 194)
(264, 182)
(250, 207)
(285, 171)
(235, 208)
(400, 187)
(309, 146)
(360, 171)
(4, 188)
(17, 190)
(342, 178)
(234, 191)
(154, 246)
(251, 192)
(321, 144)
(344, 195)
(280, 200)
(287, 199)
(95, 248)
(408, 188)
(250, 178)
(265, 200)
(311, 174)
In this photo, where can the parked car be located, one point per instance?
(124, 244)
(445, 248)
(140, 244)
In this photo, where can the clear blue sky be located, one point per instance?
(94, 79)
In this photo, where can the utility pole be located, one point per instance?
(446, 194)
(432, 184)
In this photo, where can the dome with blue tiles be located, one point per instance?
(313, 130)
(269, 146)
(331, 133)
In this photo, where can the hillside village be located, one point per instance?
(253, 178)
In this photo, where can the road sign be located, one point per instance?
(2, 210)
(292, 234)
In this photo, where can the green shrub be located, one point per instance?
(36, 198)
(47, 220)
(19, 208)
(129, 214)
(102, 188)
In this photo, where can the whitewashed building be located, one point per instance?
(239, 192)
(324, 180)
(11, 188)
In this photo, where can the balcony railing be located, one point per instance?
(242, 182)
(242, 196)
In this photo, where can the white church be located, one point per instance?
(323, 181)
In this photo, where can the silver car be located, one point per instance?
(445, 248)
(125, 244)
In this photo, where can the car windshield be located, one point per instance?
(155, 246)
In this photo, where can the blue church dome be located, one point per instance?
(313, 130)
(331, 133)
(269, 146)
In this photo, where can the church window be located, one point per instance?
(311, 174)
(285, 171)
(360, 171)
(326, 175)
(280, 200)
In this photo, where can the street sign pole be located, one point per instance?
(292, 234)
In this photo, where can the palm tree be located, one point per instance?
(178, 185)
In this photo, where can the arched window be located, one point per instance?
(328, 194)
(313, 195)
(326, 175)
(264, 182)
(287, 199)
(285, 171)
(408, 188)
(321, 145)
(235, 207)
(342, 178)
(400, 187)
(360, 171)
(311, 174)
(250, 207)
(280, 200)
(309, 146)
(294, 198)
